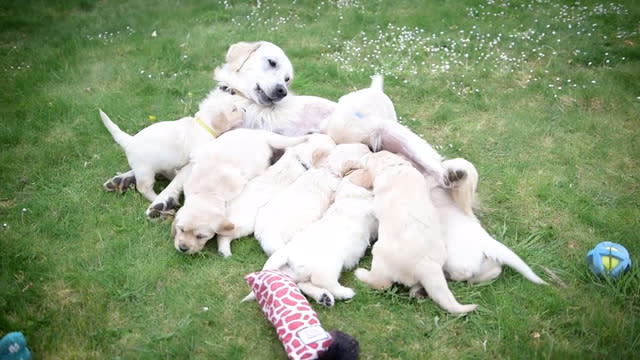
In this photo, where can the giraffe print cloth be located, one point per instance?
(288, 310)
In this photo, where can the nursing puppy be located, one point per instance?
(316, 256)
(219, 172)
(367, 116)
(410, 248)
(164, 148)
(242, 210)
(472, 254)
(305, 200)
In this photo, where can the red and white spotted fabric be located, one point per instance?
(288, 310)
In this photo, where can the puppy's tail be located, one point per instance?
(501, 254)
(277, 141)
(464, 181)
(377, 82)
(121, 137)
(433, 280)
(277, 260)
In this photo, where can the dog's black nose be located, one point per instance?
(279, 92)
(183, 248)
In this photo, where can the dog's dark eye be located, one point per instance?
(286, 79)
(201, 236)
(272, 63)
(181, 229)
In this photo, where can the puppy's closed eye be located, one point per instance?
(272, 63)
(201, 236)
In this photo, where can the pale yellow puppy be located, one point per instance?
(410, 249)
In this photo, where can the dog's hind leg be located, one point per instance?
(322, 296)
(121, 183)
(145, 179)
(374, 278)
(329, 280)
(432, 279)
(168, 198)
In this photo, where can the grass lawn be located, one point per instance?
(543, 96)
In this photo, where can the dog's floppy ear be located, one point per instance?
(239, 53)
(318, 157)
(225, 226)
(173, 229)
(361, 177)
(349, 166)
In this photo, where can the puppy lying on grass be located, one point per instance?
(242, 210)
(219, 172)
(164, 148)
(410, 249)
(306, 200)
(316, 256)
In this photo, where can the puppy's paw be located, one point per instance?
(418, 292)
(344, 293)
(120, 183)
(361, 274)
(326, 299)
(455, 175)
(162, 209)
(224, 253)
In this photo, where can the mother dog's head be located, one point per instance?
(259, 71)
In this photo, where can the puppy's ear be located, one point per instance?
(361, 177)
(239, 53)
(173, 229)
(349, 166)
(318, 157)
(225, 226)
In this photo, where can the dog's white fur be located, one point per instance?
(410, 247)
(306, 199)
(316, 256)
(472, 254)
(242, 210)
(219, 172)
(367, 116)
(262, 91)
(164, 148)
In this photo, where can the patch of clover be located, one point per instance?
(407, 53)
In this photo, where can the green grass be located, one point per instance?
(84, 275)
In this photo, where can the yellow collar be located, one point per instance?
(206, 127)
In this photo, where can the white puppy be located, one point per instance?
(410, 247)
(316, 256)
(164, 148)
(242, 210)
(472, 254)
(367, 116)
(306, 200)
(220, 171)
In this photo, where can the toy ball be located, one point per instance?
(13, 346)
(609, 258)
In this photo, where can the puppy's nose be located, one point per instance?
(183, 248)
(279, 92)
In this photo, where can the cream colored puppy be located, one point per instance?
(164, 148)
(316, 256)
(472, 254)
(410, 249)
(242, 210)
(219, 172)
(306, 199)
(368, 116)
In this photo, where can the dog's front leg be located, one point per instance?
(165, 204)
(121, 182)
(400, 140)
